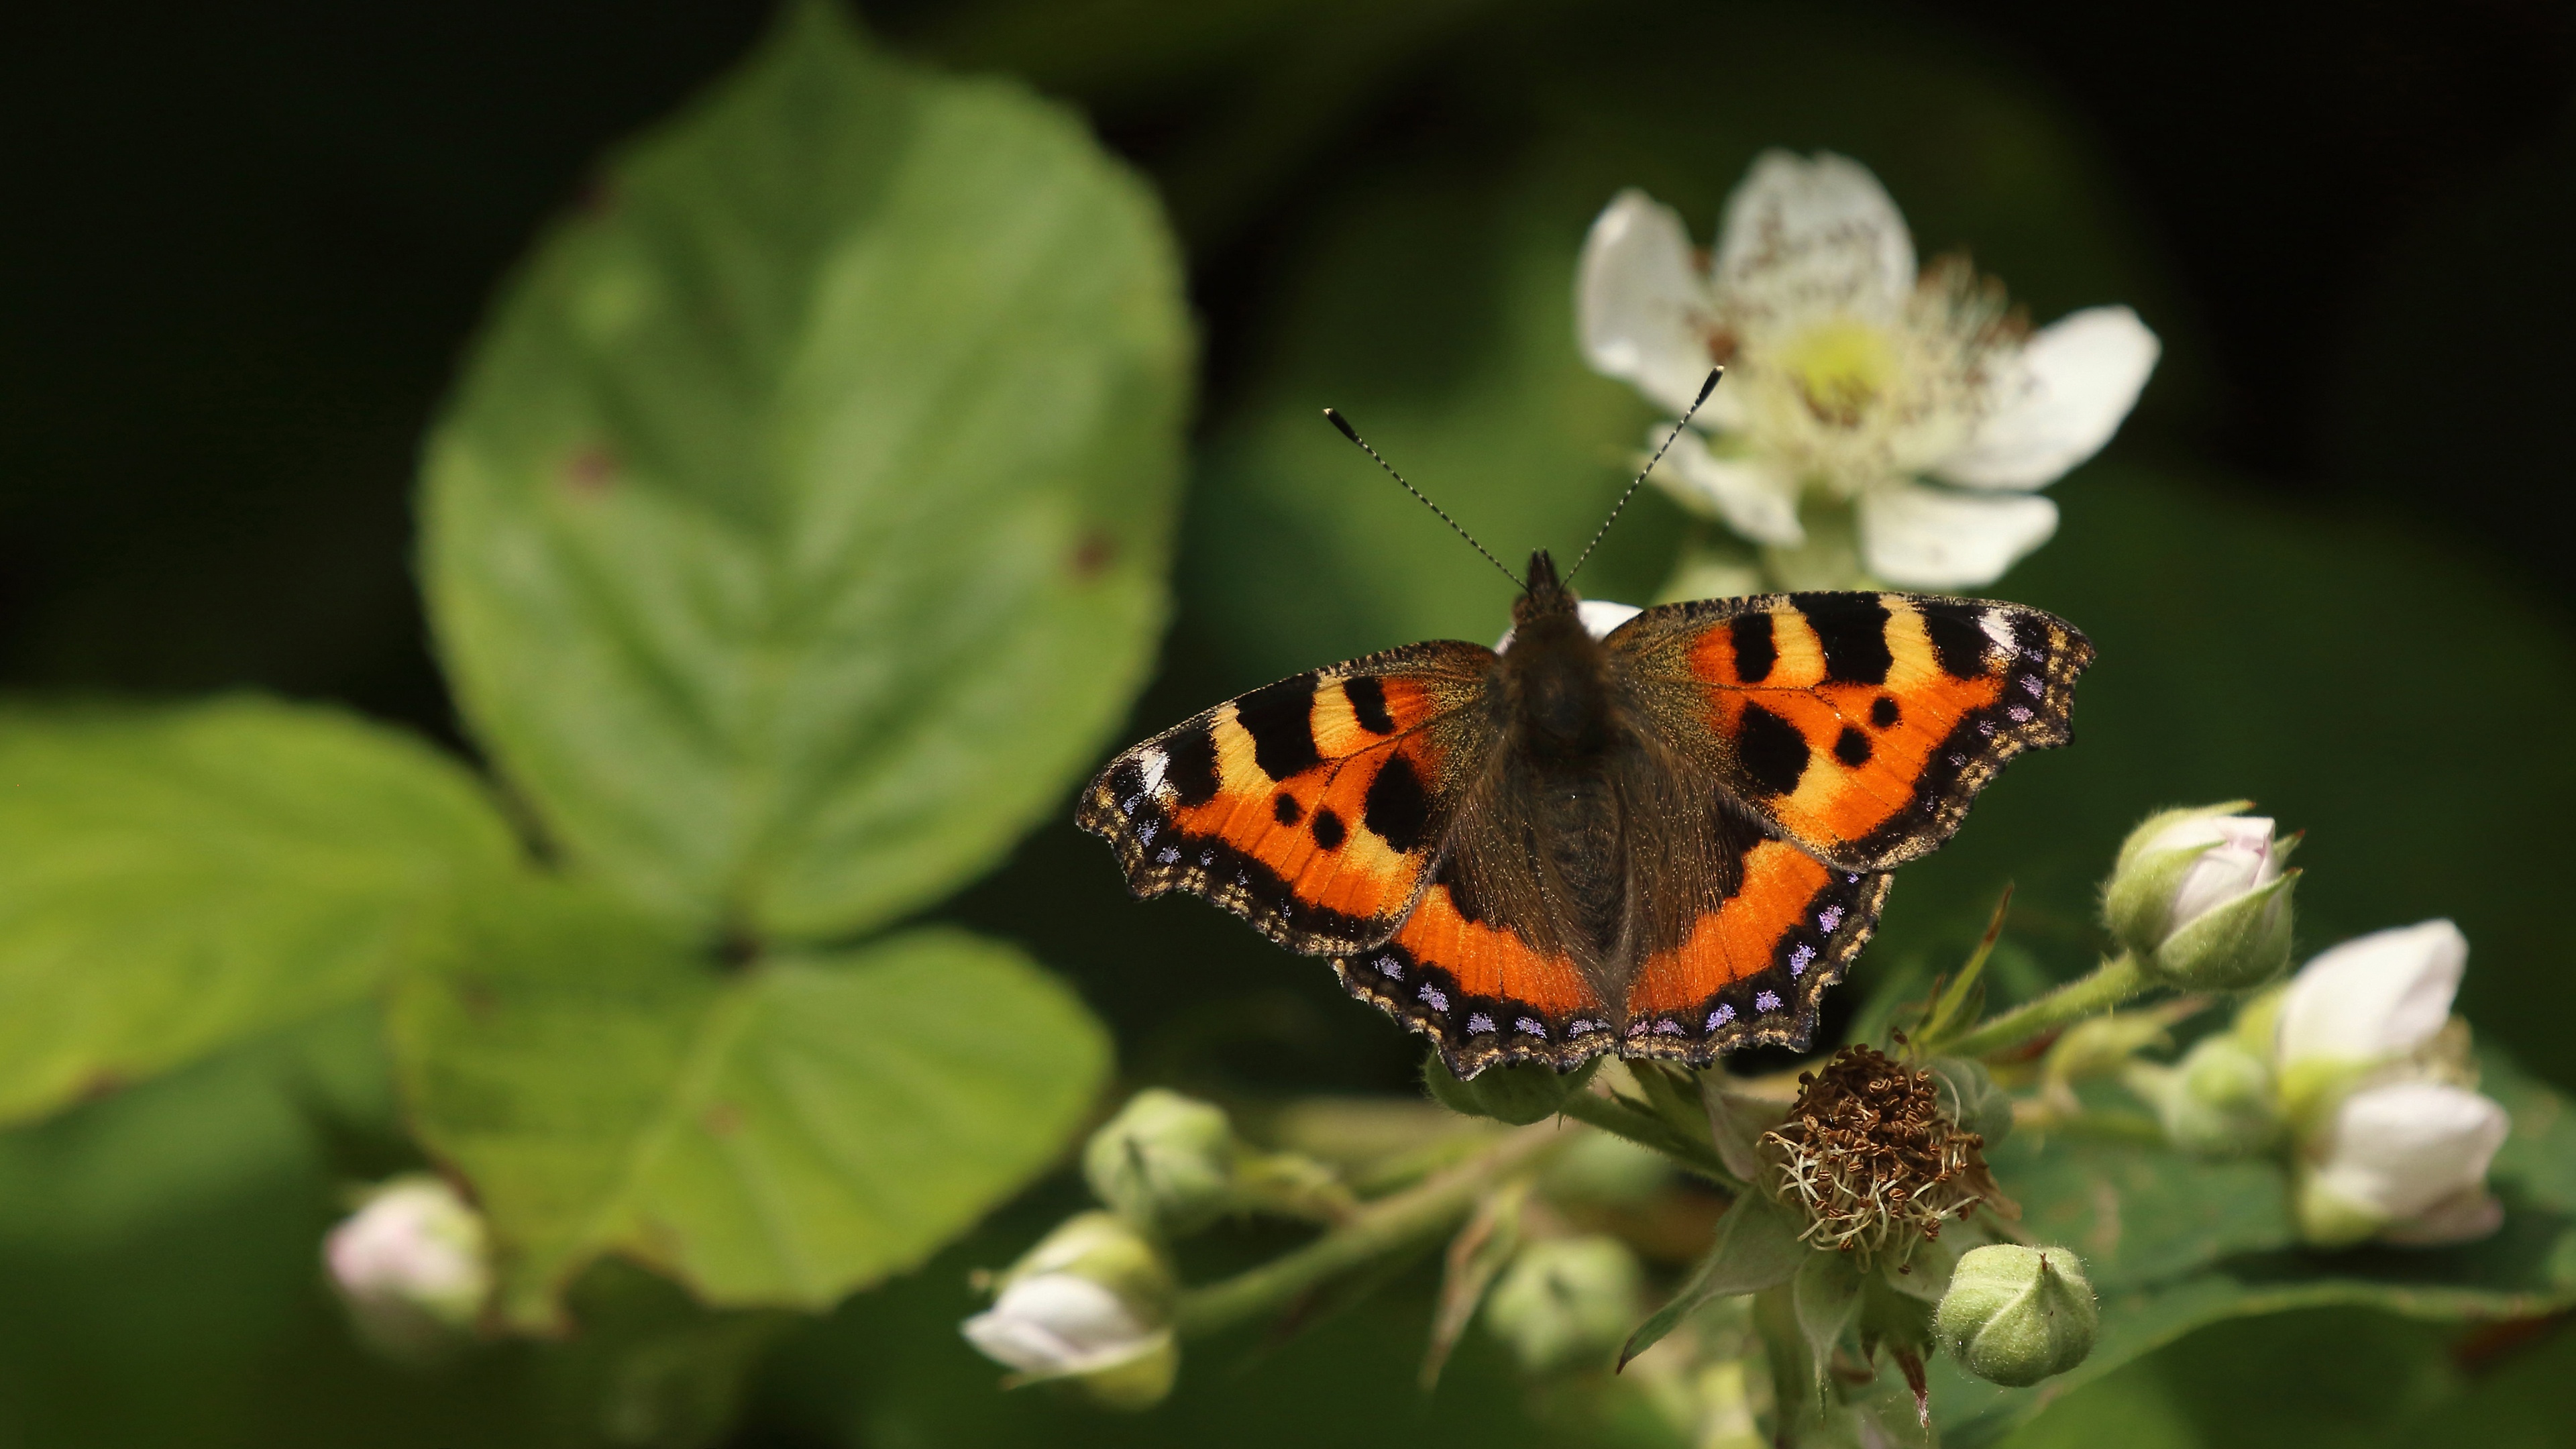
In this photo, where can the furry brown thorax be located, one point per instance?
(1555, 674)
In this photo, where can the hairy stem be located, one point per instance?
(1383, 1228)
(2114, 982)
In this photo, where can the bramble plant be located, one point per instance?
(799, 532)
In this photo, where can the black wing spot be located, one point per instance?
(1285, 809)
(1771, 750)
(1281, 720)
(1329, 831)
(1853, 630)
(1852, 747)
(1190, 766)
(1368, 704)
(1956, 641)
(1883, 712)
(1755, 652)
(1397, 809)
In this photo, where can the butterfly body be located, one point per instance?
(1666, 840)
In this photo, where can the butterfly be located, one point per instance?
(1663, 835)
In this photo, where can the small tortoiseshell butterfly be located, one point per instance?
(1664, 841)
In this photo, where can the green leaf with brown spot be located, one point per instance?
(798, 529)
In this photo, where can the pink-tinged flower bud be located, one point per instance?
(2200, 898)
(2404, 1162)
(413, 1263)
(1090, 1303)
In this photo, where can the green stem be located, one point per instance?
(1381, 1229)
(1624, 1119)
(2115, 981)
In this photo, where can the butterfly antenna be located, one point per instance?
(1353, 434)
(1705, 389)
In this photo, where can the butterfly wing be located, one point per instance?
(1314, 807)
(1844, 734)
(1859, 725)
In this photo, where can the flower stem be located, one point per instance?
(1381, 1229)
(2115, 981)
(1620, 1118)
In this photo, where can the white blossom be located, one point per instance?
(2374, 998)
(2406, 1162)
(1053, 1324)
(2392, 1142)
(1912, 396)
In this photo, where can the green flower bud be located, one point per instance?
(1519, 1094)
(2200, 899)
(2016, 1315)
(1565, 1302)
(2218, 1101)
(1970, 1098)
(1091, 1303)
(413, 1263)
(1165, 1161)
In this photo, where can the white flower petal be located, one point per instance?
(1750, 495)
(1599, 617)
(2408, 1147)
(1057, 1323)
(1808, 236)
(2059, 402)
(2235, 857)
(1639, 303)
(2374, 997)
(1927, 538)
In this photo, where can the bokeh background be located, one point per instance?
(2327, 560)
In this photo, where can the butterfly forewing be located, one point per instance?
(1312, 807)
(1860, 725)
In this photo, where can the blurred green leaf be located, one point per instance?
(773, 1138)
(2173, 1245)
(799, 526)
(179, 878)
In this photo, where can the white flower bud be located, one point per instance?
(2200, 899)
(1091, 1302)
(413, 1264)
(1165, 1161)
(2405, 1162)
(2016, 1315)
(1566, 1301)
(2373, 999)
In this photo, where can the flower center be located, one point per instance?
(1840, 366)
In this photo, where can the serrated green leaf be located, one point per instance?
(179, 878)
(799, 527)
(777, 1137)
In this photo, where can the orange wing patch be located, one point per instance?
(1753, 969)
(1863, 724)
(1312, 807)
(1478, 990)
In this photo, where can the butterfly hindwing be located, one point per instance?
(1860, 724)
(1313, 807)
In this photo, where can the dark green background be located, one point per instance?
(2326, 563)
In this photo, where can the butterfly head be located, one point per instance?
(1543, 594)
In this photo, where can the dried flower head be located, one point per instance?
(1871, 1160)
